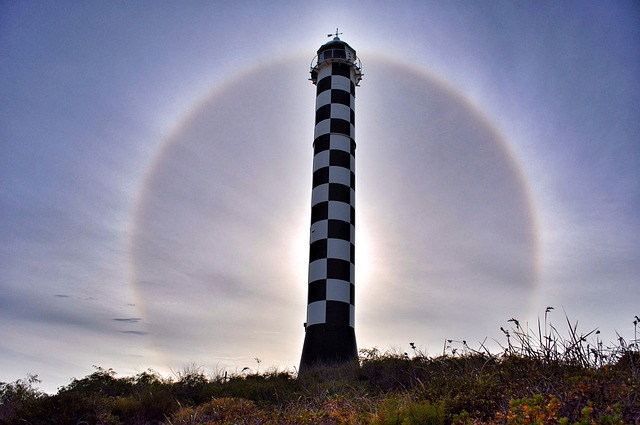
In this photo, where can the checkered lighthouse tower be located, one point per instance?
(329, 329)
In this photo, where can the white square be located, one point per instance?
(318, 270)
(323, 127)
(316, 313)
(323, 98)
(340, 142)
(320, 160)
(319, 230)
(338, 290)
(340, 111)
(340, 175)
(325, 71)
(320, 194)
(339, 211)
(338, 248)
(341, 83)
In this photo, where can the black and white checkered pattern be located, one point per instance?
(332, 245)
(330, 335)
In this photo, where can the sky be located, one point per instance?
(155, 177)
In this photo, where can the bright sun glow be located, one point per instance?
(365, 249)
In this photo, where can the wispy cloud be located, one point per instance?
(128, 319)
(141, 333)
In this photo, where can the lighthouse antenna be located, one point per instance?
(334, 35)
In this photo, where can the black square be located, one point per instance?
(321, 143)
(338, 229)
(339, 192)
(338, 269)
(323, 113)
(340, 158)
(324, 84)
(338, 68)
(318, 250)
(338, 313)
(319, 211)
(340, 96)
(317, 291)
(340, 126)
(320, 176)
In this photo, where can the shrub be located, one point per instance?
(395, 411)
(18, 395)
(217, 411)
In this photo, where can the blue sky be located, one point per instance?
(155, 177)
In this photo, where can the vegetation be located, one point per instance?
(540, 377)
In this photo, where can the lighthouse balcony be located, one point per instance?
(339, 56)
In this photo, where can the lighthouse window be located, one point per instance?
(334, 53)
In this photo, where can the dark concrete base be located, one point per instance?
(328, 344)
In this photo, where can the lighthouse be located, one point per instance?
(330, 326)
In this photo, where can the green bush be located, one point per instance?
(406, 412)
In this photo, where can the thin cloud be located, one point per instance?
(128, 319)
(141, 333)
